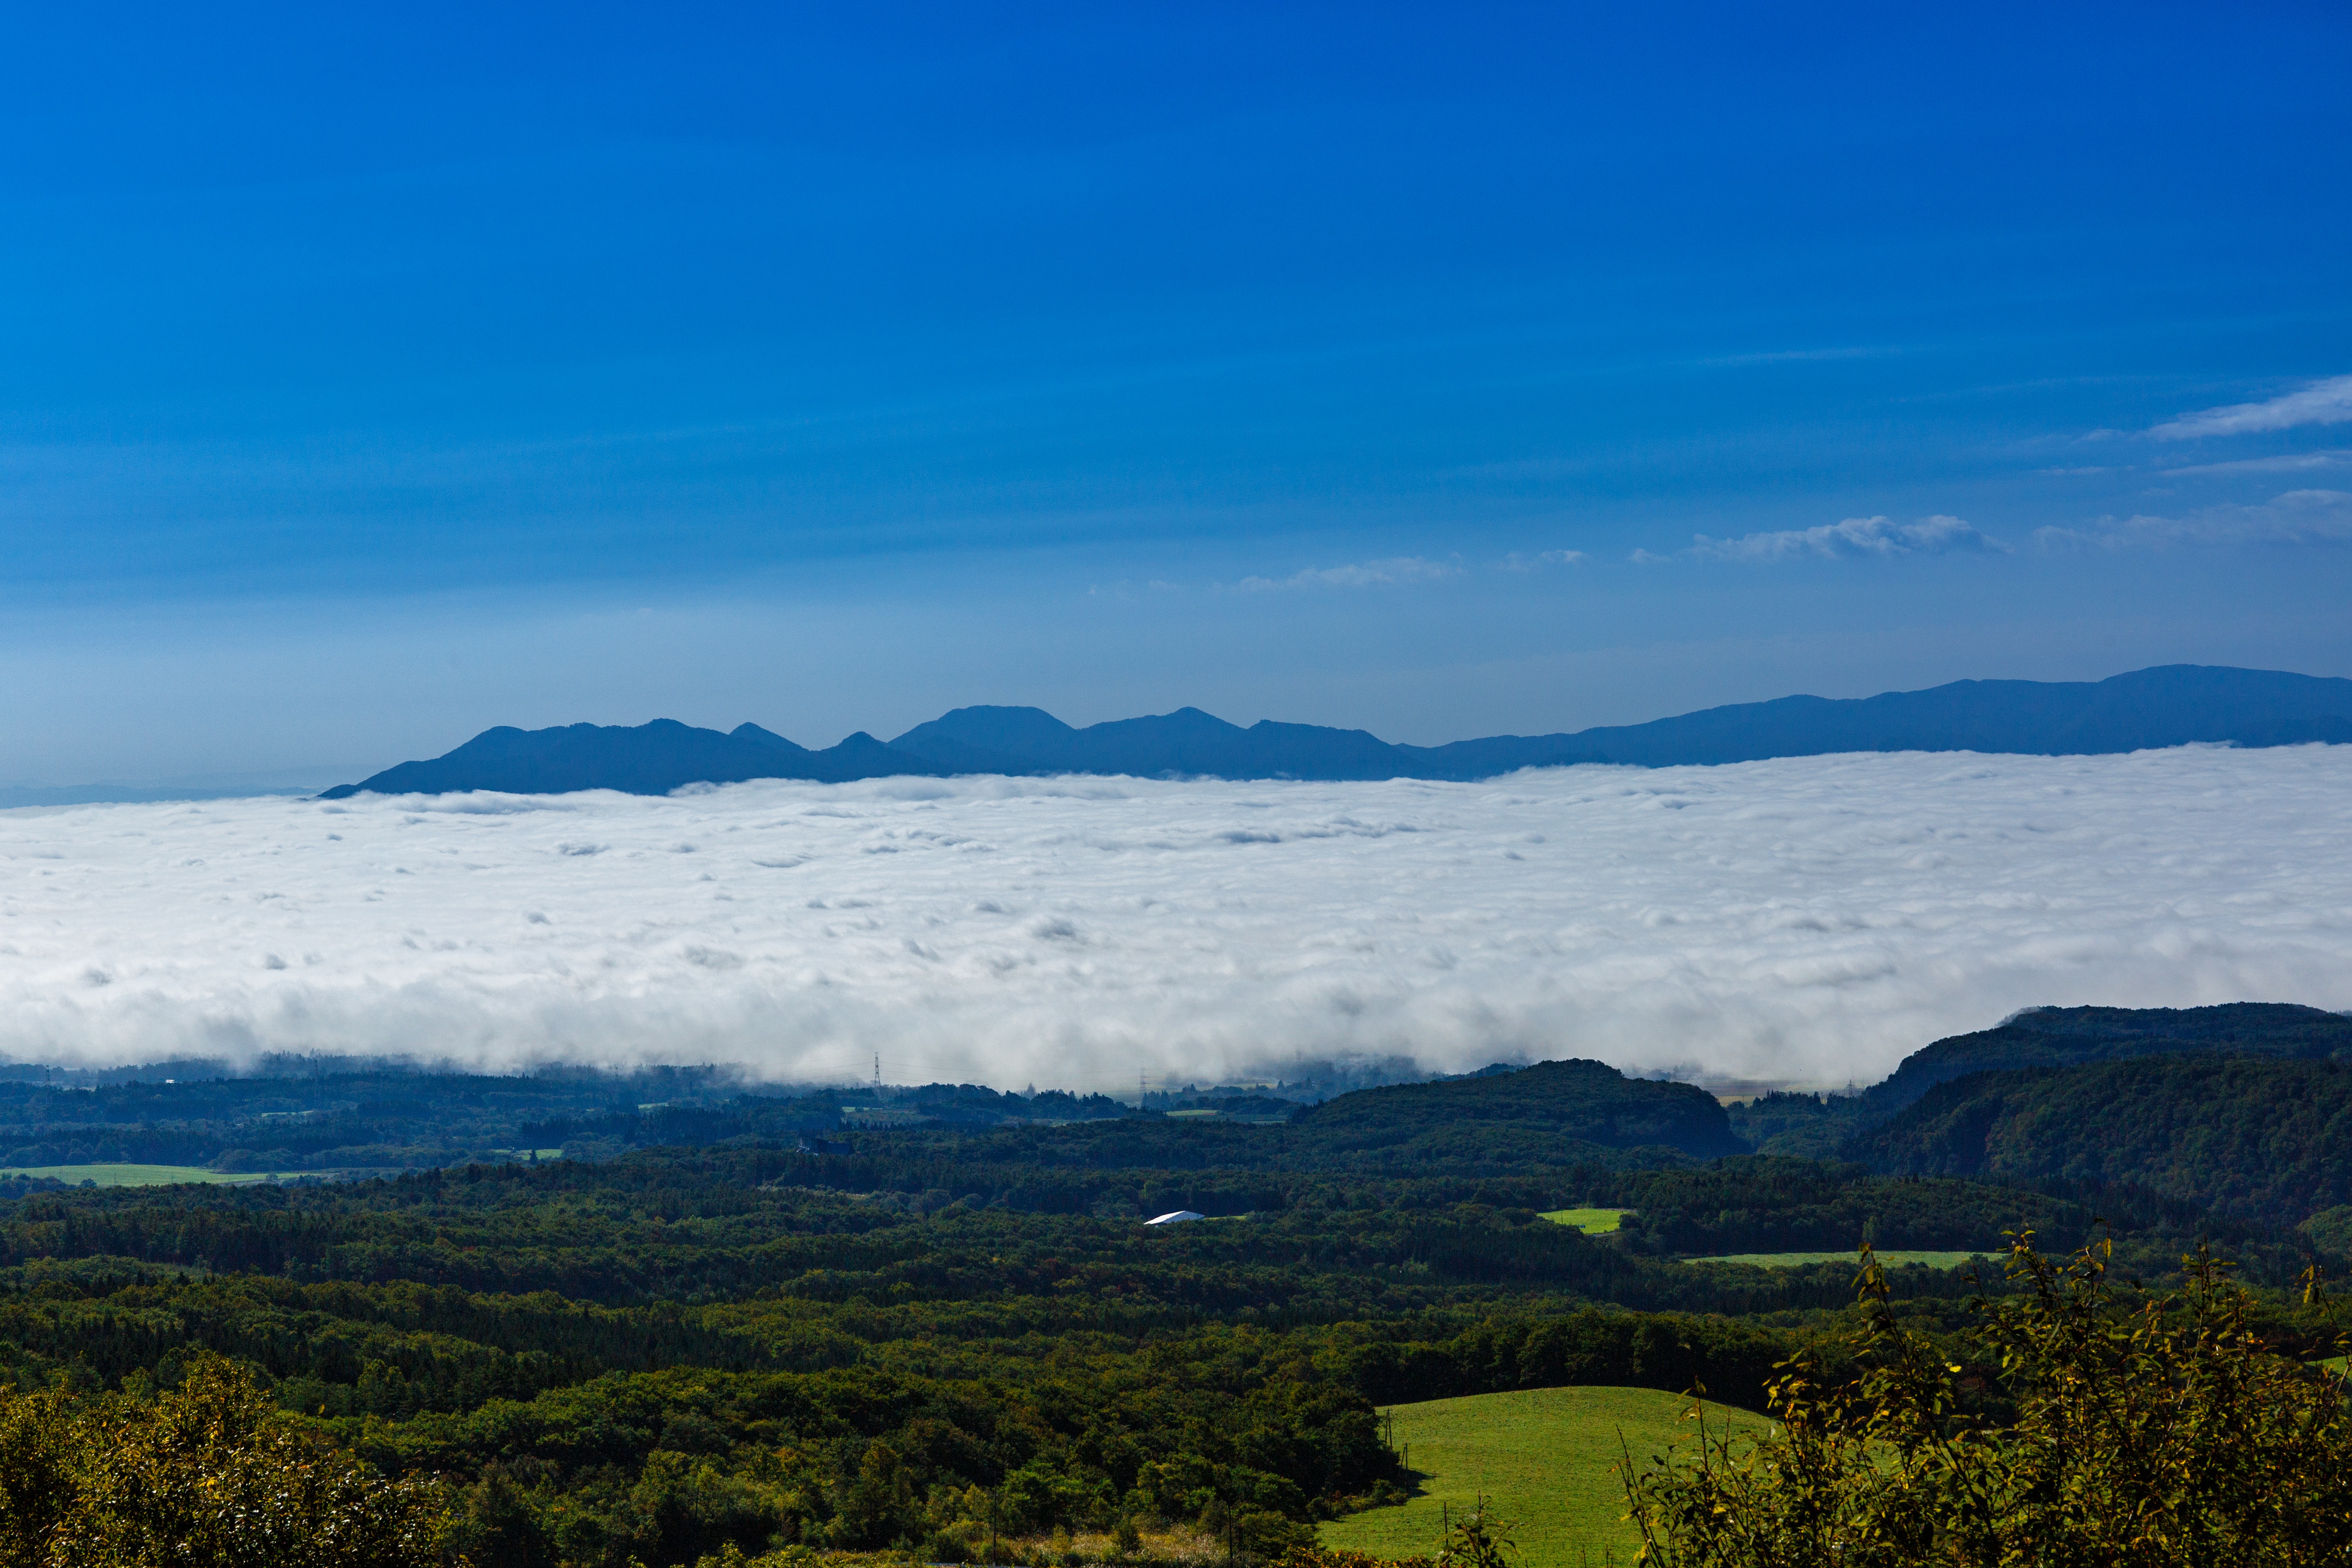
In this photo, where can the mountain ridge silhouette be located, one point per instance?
(2168, 705)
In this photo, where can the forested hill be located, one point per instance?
(2065, 1037)
(1538, 1113)
(2249, 1136)
(2168, 706)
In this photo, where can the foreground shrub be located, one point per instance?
(204, 1476)
(2163, 1435)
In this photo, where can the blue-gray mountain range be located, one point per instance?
(2168, 706)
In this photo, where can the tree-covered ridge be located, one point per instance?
(2068, 1036)
(333, 1118)
(1549, 1108)
(2244, 1135)
(336, 1117)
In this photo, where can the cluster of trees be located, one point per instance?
(205, 1474)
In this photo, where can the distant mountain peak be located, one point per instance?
(2169, 705)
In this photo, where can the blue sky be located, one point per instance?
(374, 377)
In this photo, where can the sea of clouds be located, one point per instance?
(1806, 920)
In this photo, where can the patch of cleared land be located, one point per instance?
(1891, 1259)
(130, 1175)
(1591, 1222)
(1542, 1456)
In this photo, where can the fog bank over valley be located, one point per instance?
(1807, 920)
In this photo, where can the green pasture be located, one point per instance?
(1542, 1458)
(129, 1175)
(1591, 1222)
(1888, 1258)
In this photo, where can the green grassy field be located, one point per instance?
(1891, 1259)
(1591, 1222)
(1542, 1455)
(127, 1176)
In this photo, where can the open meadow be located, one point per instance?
(127, 1176)
(1591, 1222)
(1543, 1457)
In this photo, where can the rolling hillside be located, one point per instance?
(2249, 1136)
(1544, 1459)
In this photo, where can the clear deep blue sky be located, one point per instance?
(375, 376)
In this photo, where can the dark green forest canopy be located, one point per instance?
(2249, 1136)
(581, 1337)
(1557, 1103)
(2068, 1036)
(829, 1317)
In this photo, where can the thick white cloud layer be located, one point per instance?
(1808, 920)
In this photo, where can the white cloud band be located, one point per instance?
(1809, 919)
(2328, 402)
(2298, 517)
(1386, 573)
(1855, 536)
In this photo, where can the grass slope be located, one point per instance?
(1542, 1455)
(129, 1175)
(1591, 1222)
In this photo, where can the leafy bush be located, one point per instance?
(204, 1476)
(2155, 1434)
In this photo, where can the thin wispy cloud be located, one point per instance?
(2285, 463)
(1811, 918)
(1526, 564)
(1856, 537)
(2298, 517)
(2328, 402)
(1394, 570)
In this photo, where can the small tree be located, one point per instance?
(1478, 1539)
(2165, 1436)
